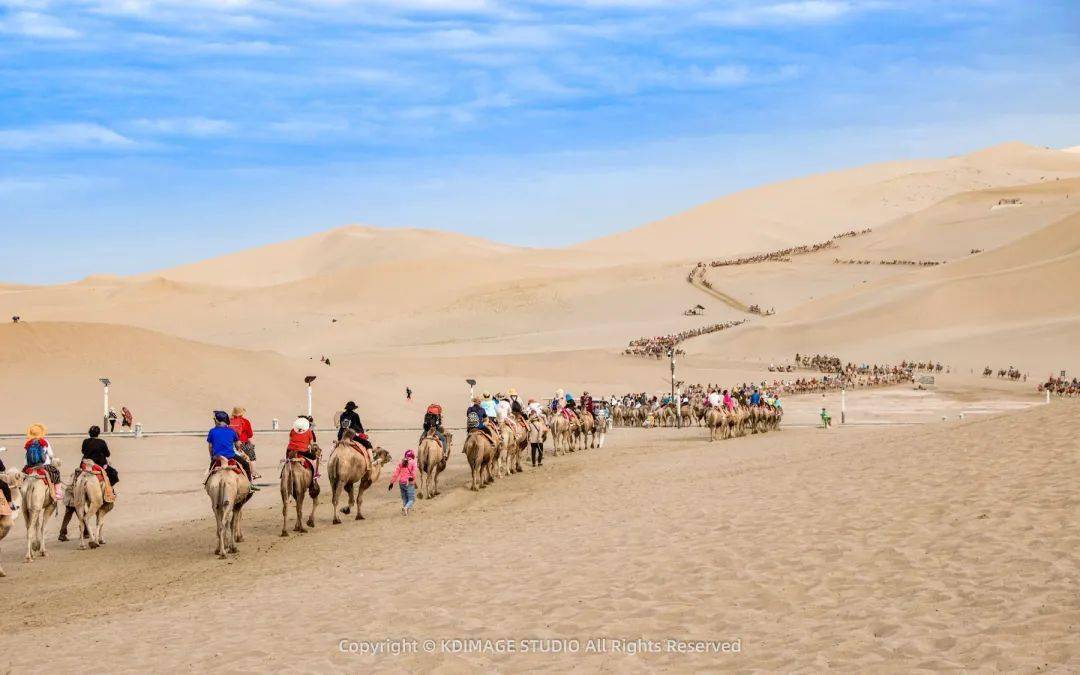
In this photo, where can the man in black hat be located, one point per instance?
(351, 420)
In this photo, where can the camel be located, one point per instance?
(687, 414)
(480, 449)
(229, 490)
(431, 459)
(14, 479)
(561, 433)
(717, 422)
(89, 501)
(514, 438)
(587, 429)
(38, 505)
(351, 471)
(297, 477)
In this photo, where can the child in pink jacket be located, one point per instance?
(405, 477)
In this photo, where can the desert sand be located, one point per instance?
(936, 529)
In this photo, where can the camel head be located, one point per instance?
(381, 457)
(14, 478)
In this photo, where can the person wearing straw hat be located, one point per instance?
(39, 453)
(242, 426)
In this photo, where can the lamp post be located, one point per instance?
(678, 413)
(105, 382)
(308, 380)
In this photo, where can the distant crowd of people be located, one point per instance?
(784, 254)
(1010, 373)
(659, 346)
(915, 263)
(1061, 386)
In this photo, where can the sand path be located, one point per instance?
(935, 546)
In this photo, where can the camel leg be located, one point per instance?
(227, 532)
(311, 516)
(237, 527)
(359, 502)
(335, 497)
(284, 513)
(100, 528)
(474, 471)
(46, 514)
(352, 499)
(299, 496)
(84, 535)
(219, 516)
(31, 530)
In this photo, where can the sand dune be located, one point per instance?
(348, 247)
(812, 209)
(995, 298)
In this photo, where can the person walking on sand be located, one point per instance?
(127, 419)
(826, 419)
(112, 420)
(408, 394)
(405, 478)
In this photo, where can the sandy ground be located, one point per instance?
(933, 546)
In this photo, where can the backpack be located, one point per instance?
(473, 419)
(35, 453)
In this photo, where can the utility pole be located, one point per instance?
(308, 380)
(843, 405)
(105, 409)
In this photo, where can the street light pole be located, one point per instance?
(675, 401)
(308, 380)
(105, 382)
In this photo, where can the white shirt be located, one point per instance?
(714, 400)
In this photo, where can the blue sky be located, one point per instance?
(137, 134)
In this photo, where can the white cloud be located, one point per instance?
(63, 137)
(185, 126)
(36, 25)
(779, 13)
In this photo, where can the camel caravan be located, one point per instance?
(727, 414)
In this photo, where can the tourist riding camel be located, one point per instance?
(242, 426)
(93, 498)
(350, 420)
(224, 446)
(41, 489)
(480, 448)
(95, 451)
(433, 424)
(299, 475)
(432, 455)
(352, 469)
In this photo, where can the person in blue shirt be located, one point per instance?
(755, 398)
(224, 442)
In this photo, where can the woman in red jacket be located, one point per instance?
(244, 432)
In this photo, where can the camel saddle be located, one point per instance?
(293, 456)
(569, 414)
(103, 478)
(361, 449)
(222, 464)
(488, 432)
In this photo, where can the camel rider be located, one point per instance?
(433, 421)
(714, 399)
(39, 454)
(755, 397)
(96, 450)
(475, 415)
(559, 401)
(223, 442)
(587, 403)
(502, 409)
(488, 404)
(351, 420)
(515, 404)
(301, 438)
(534, 408)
